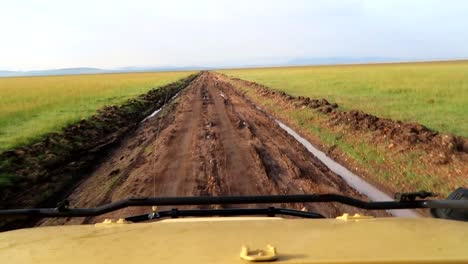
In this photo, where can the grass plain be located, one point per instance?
(434, 94)
(33, 106)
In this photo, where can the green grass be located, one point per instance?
(33, 106)
(5, 179)
(434, 94)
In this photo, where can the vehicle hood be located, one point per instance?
(219, 240)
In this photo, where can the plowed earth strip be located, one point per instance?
(210, 142)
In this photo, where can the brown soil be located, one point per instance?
(209, 142)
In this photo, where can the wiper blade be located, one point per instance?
(65, 211)
(176, 213)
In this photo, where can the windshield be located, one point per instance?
(102, 103)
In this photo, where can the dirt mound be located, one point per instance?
(400, 133)
(40, 171)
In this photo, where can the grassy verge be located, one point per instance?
(391, 169)
(434, 94)
(33, 106)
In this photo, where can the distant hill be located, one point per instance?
(300, 61)
(161, 68)
(74, 71)
(8, 73)
(65, 71)
(340, 60)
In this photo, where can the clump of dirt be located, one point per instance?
(45, 169)
(400, 133)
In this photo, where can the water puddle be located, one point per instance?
(159, 109)
(352, 179)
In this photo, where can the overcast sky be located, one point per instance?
(43, 34)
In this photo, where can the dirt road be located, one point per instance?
(210, 141)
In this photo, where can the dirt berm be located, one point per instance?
(400, 133)
(42, 172)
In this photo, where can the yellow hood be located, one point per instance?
(219, 240)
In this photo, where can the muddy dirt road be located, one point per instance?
(210, 141)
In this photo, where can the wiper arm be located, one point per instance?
(64, 211)
(176, 213)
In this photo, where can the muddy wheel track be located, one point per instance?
(211, 141)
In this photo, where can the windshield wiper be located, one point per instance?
(270, 211)
(64, 210)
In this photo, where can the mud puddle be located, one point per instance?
(351, 179)
(159, 109)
